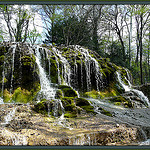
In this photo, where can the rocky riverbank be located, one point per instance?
(26, 127)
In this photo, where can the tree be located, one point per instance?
(69, 31)
(113, 16)
(17, 20)
(142, 15)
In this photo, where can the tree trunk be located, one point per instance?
(141, 49)
(122, 44)
(95, 36)
(130, 40)
(149, 57)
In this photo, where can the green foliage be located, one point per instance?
(116, 55)
(33, 35)
(68, 31)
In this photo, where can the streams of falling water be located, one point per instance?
(9, 116)
(66, 69)
(128, 88)
(46, 89)
(13, 47)
(1, 101)
(88, 60)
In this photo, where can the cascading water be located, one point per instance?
(1, 101)
(13, 60)
(66, 71)
(88, 60)
(128, 88)
(9, 116)
(47, 91)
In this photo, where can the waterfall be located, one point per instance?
(88, 61)
(49, 63)
(1, 101)
(129, 88)
(46, 89)
(66, 69)
(13, 60)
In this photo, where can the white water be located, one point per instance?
(88, 60)
(3, 77)
(46, 89)
(9, 116)
(128, 88)
(66, 70)
(147, 142)
(13, 47)
(49, 63)
(1, 101)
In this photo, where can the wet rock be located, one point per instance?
(145, 89)
(31, 128)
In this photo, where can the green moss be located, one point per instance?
(41, 107)
(70, 115)
(117, 103)
(2, 57)
(28, 60)
(120, 100)
(82, 102)
(105, 112)
(5, 80)
(88, 109)
(68, 103)
(58, 94)
(7, 96)
(93, 94)
(68, 91)
(53, 70)
(21, 95)
(65, 49)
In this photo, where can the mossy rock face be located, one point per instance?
(41, 107)
(7, 96)
(92, 94)
(48, 107)
(121, 100)
(69, 105)
(105, 112)
(21, 96)
(58, 94)
(53, 70)
(68, 91)
(82, 102)
(112, 90)
(18, 96)
(70, 115)
(28, 60)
